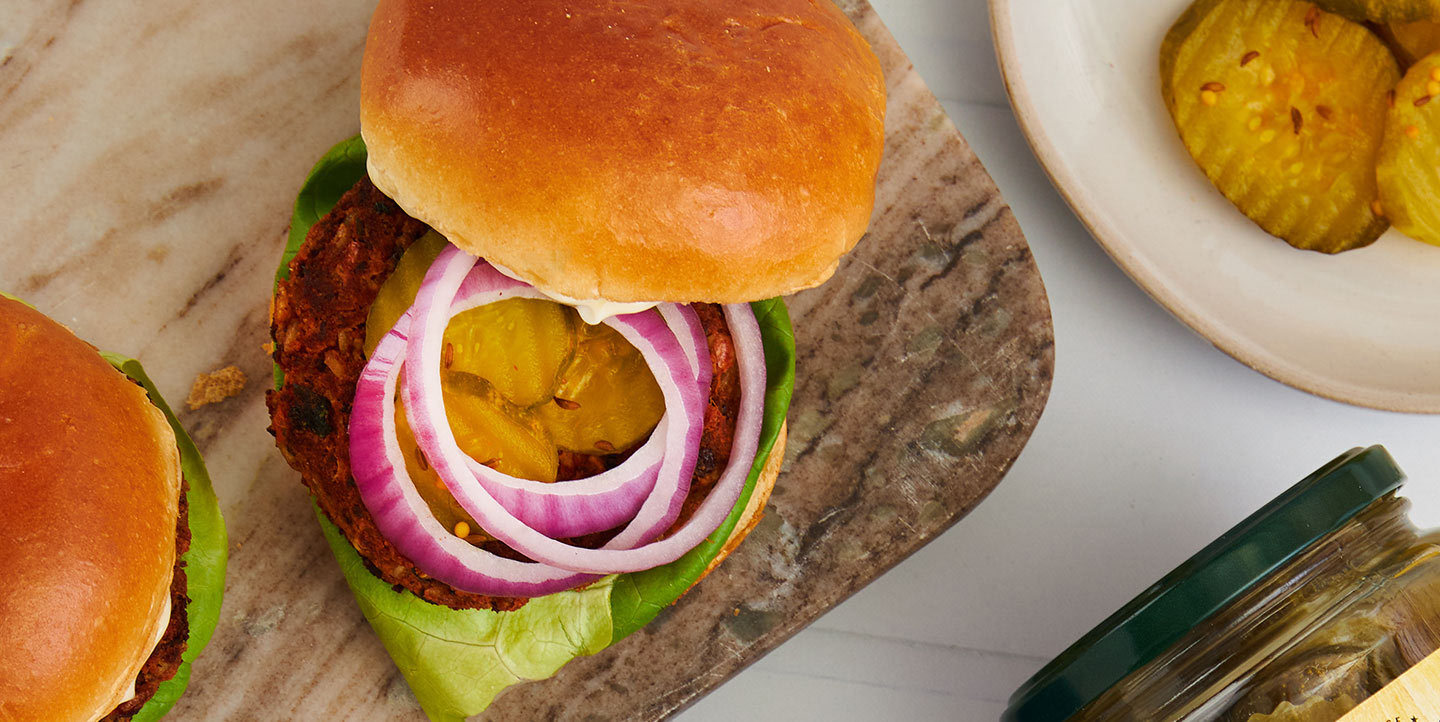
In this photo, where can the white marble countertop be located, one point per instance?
(1153, 443)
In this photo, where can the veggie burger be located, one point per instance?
(527, 332)
(111, 543)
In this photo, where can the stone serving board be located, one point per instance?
(149, 156)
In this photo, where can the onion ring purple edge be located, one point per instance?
(538, 578)
(426, 409)
(401, 514)
(685, 324)
(659, 509)
(611, 498)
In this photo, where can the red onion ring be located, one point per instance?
(401, 515)
(425, 407)
(644, 331)
(685, 324)
(573, 508)
(581, 506)
(750, 362)
(399, 511)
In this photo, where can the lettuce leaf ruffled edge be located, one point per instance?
(457, 660)
(634, 599)
(206, 560)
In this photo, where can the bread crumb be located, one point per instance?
(215, 387)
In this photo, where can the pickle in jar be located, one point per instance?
(1383, 11)
(1409, 165)
(1282, 106)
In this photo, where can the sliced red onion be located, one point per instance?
(660, 509)
(750, 363)
(425, 407)
(402, 516)
(572, 508)
(581, 506)
(685, 324)
(503, 505)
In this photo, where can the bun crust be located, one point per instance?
(89, 493)
(685, 150)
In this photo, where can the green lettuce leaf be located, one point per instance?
(208, 554)
(456, 661)
(639, 596)
(339, 169)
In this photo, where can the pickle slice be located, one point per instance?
(1383, 11)
(495, 432)
(397, 294)
(1282, 105)
(608, 400)
(489, 429)
(1413, 41)
(1409, 165)
(520, 345)
(443, 505)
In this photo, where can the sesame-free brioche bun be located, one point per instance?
(672, 150)
(89, 494)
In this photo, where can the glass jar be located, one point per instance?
(1299, 613)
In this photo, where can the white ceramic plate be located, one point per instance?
(1361, 327)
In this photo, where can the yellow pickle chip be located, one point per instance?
(1412, 41)
(523, 380)
(399, 290)
(608, 399)
(1282, 105)
(1409, 163)
(519, 344)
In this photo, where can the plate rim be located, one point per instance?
(1129, 259)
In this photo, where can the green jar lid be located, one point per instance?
(1205, 584)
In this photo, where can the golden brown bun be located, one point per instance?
(89, 492)
(681, 150)
(754, 509)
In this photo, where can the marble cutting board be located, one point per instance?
(150, 153)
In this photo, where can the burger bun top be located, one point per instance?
(627, 151)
